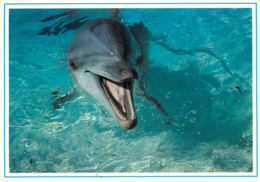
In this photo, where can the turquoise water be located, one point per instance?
(200, 72)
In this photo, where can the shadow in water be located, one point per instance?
(187, 99)
(198, 106)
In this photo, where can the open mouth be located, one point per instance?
(120, 97)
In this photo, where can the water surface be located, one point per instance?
(201, 73)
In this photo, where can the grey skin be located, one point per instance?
(105, 51)
(103, 61)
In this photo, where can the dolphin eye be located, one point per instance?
(86, 71)
(72, 65)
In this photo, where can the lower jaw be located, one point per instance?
(128, 124)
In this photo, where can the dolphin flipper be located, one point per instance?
(142, 91)
(143, 37)
(60, 101)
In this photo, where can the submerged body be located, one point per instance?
(101, 61)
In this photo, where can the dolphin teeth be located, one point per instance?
(130, 100)
(130, 112)
(112, 103)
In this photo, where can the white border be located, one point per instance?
(97, 6)
(81, 6)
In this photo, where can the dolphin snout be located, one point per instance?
(129, 74)
(128, 124)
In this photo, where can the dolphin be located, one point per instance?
(107, 60)
(102, 63)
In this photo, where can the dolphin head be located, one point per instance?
(101, 60)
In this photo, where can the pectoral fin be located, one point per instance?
(142, 91)
(143, 37)
(60, 101)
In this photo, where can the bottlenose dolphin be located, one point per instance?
(101, 62)
(105, 60)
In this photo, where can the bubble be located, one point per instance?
(193, 111)
(193, 120)
(163, 163)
